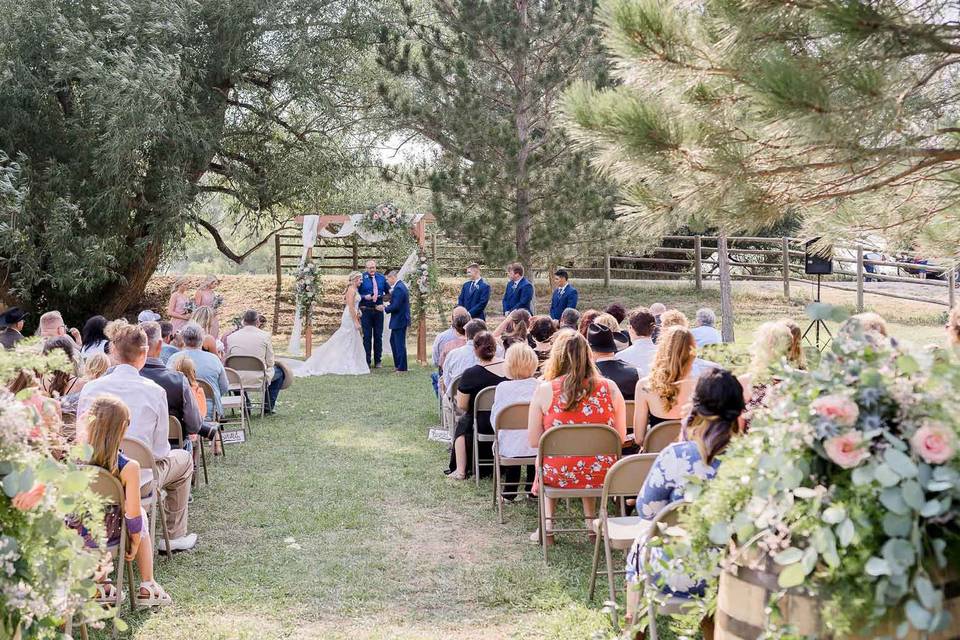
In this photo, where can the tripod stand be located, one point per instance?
(816, 325)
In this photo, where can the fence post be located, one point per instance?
(697, 263)
(786, 267)
(859, 279)
(356, 257)
(606, 267)
(433, 247)
(726, 290)
(952, 284)
(276, 297)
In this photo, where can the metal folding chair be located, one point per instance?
(661, 436)
(513, 417)
(235, 383)
(139, 451)
(483, 402)
(258, 374)
(663, 604)
(210, 395)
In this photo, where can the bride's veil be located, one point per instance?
(408, 266)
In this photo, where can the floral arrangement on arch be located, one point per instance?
(847, 485)
(385, 218)
(424, 281)
(306, 287)
(46, 573)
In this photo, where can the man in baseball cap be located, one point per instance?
(148, 315)
(12, 320)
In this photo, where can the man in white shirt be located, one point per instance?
(444, 338)
(705, 333)
(462, 358)
(641, 324)
(248, 340)
(149, 423)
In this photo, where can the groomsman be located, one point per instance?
(564, 296)
(399, 310)
(519, 293)
(475, 293)
(371, 291)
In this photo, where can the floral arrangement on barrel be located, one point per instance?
(424, 281)
(306, 288)
(847, 487)
(385, 218)
(46, 573)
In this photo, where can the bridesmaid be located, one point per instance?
(205, 297)
(177, 306)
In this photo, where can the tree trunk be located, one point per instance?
(118, 298)
(726, 291)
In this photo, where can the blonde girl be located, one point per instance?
(206, 317)
(205, 297)
(107, 422)
(663, 394)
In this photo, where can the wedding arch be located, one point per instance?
(383, 224)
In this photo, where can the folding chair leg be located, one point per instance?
(162, 514)
(132, 588)
(594, 566)
(610, 580)
(652, 615)
(223, 448)
(476, 457)
(542, 501)
(203, 460)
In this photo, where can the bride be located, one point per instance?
(343, 353)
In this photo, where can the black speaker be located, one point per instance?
(817, 262)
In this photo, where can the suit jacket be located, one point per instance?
(181, 403)
(519, 295)
(399, 307)
(561, 301)
(9, 337)
(474, 298)
(250, 341)
(366, 289)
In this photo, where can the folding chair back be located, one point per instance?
(513, 417)
(483, 402)
(140, 451)
(211, 397)
(234, 381)
(579, 440)
(108, 487)
(670, 605)
(448, 402)
(661, 436)
(631, 407)
(625, 478)
(175, 433)
(254, 367)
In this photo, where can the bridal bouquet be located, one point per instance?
(848, 483)
(307, 287)
(217, 302)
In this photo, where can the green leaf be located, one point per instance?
(901, 463)
(939, 485)
(892, 499)
(846, 532)
(929, 596)
(834, 515)
(863, 475)
(897, 526)
(877, 567)
(719, 533)
(919, 617)
(939, 547)
(792, 576)
(931, 508)
(790, 555)
(913, 494)
(908, 365)
(886, 476)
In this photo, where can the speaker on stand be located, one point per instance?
(818, 263)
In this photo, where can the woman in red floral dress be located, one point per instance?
(574, 393)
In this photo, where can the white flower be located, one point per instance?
(652, 508)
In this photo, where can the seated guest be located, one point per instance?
(618, 311)
(12, 321)
(869, 322)
(564, 296)
(717, 405)
(673, 318)
(166, 334)
(953, 326)
(52, 326)
(459, 338)
(248, 340)
(663, 394)
(570, 320)
(488, 372)
(657, 309)
(209, 367)
(93, 338)
(603, 350)
(444, 338)
(795, 357)
(520, 364)
(586, 319)
(149, 423)
(773, 346)
(540, 338)
(206, 317)
(574, 392)
(705, 333)
(207, 430)
(640, 353)
(181, 403)
(107, 424)
(67, 381)
(514, 328)
(475, 294)
(148, 315)
(95, 366)
(461, 358)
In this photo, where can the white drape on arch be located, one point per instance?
(308, 239)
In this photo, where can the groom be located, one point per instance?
(371, 291)
(399, 310)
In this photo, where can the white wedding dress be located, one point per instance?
(342, 354)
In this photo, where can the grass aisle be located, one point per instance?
(334, 521)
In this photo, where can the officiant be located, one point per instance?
(372, 288)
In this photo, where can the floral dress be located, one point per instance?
(666, 483)
(578, 472)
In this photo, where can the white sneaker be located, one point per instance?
(185, 543)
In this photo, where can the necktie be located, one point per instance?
(475, 285)
(376, 291)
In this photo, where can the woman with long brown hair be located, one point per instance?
(574, 393)
(662, 395)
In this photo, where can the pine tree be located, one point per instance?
(737, 113)
(481, 79)
(118, 116)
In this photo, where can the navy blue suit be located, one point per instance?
(561, 301)
(399, 310)
(519, 295)
(474, 298)
(371, 320)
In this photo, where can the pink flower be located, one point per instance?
(847, 450)
(838, 408)
(934, 443)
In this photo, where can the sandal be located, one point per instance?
(155, 595)
(106, 592)
(456, 476)
(535, 537)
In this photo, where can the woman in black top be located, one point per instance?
(488, 372)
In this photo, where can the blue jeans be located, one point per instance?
(435, 379)
(274, 389)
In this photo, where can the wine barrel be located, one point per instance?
(745, 594)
